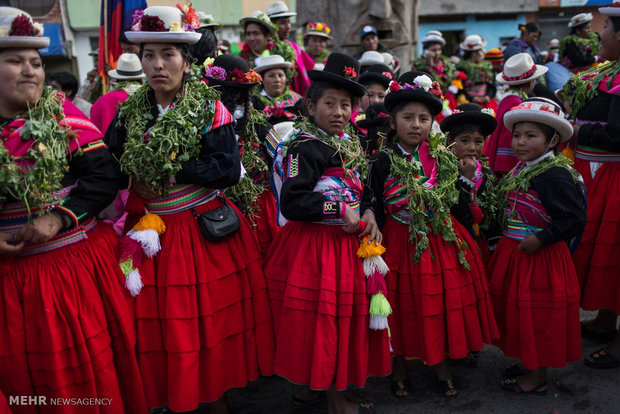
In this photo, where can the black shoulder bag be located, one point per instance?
(218, 224)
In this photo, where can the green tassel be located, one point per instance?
(379, 305)
(126, 266)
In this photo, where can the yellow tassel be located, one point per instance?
(151, 221)
(569, 153)
(476, 229)
(369, 249)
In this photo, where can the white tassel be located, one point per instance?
(375, 263)
(453, 88)
(133, 282)
(149, 239)
(378, 322)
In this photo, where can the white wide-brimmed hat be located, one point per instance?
(371, 57)
(17, 29)
(541, 110)
(278, 9)
(611, 10)
(263, 64)
(207, 20)
(259, 18)
(434, 36)
(128, 67)
(164, 24)
(579, 19)
(519, 69)
(473, 42)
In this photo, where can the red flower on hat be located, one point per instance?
(387, 75)
(150, 23)
(394, 86)
(21, 26)
(349, 72)
(436, 90)
(238, 76)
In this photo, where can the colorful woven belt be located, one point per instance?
(596, 155)
(518, 230)
(181, 197)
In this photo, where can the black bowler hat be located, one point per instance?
(470, 113)
(408, 89)
(376, 114)
(238, 73)
(377, 73)
(341, 71)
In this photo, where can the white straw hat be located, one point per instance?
(17, 29)
(371, 57)
(263, 64)
(473, 42)
(278, 9)
(519, 69)
(611, 10)
(541, 110)
(579, 19)
(163, 24)
(128, 67)
(259, 18)
(433, 36)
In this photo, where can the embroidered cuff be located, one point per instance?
(331, 209)
(66, 213)
(467, 182)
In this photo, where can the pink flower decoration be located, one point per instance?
(216, 72)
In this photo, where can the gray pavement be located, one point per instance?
(591, 391)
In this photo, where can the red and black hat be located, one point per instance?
(341, 71)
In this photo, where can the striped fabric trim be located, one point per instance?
(94, 145)
(595, 155)
(180, 198)
(271, 142)
(508, 152)
(585, 122)
(518, 230)
(62, 239)
(221, 116)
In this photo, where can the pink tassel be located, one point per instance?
(376, 284)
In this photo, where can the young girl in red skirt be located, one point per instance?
(436, 285)
(316, 282)
(203, 318)
(533, 282)
(467, 129)
(66, 322)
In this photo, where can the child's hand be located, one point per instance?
(351, 220)
(467, 167)
(371, 227)
(530, 244)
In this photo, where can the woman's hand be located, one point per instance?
(467, 167)
(143, 191)
(530, 244)
(371, 227)
(9, 245)
(351, 220)
(41, 229)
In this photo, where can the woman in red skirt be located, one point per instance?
(533, 282)
(593, 98)
(66, 322)
(316, 282)
(437, 284)
(203, 317)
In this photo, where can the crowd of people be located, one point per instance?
(216, 218)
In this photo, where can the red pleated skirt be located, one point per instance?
(536, 303)
(596, 259)
(318, 294)
(267, 222)
(439, 307)
(68, 328)
(203, 316)
(4, 406)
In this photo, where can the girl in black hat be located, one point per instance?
(436, 284)
(376, 123)
(467, 129)
(316, 282)
(376, 81)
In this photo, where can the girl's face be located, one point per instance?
(316, 45)
(610, 42)
(585, 30)
(274, 81)
(332, 111)
(376, 93)
(412, 125)
(529, 142)
(433, 53)
(469, 144)
(477, 56)
(164, 67)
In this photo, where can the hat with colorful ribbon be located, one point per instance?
(541, 110)
(17, 29)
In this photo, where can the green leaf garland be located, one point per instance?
(582, 87)
(34, 186)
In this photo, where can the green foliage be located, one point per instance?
(34, 186)
(583, 86)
